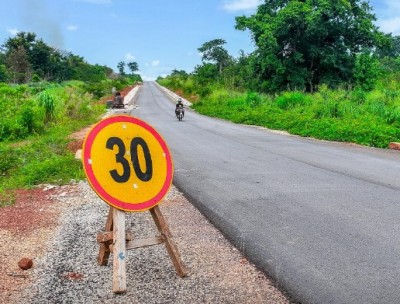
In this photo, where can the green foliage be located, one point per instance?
(30, 59)
(37, 152)
(329, 73)
(38, 117)
(3, 73)
(121, 67)
(366, 71)
(290, 100)
(213, 51)
(9, 162)
(336, 115)
(48, 102)
(301, 44)
(104, 87)
(358, 96)
(27, 110)
(206, 74)
(253, 99)
(27, 118)
(39, 160)
(392, 115)
(133, 66)
(54, 169)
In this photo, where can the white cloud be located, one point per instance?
(13, 31)
(388, 16)
(129, 57)
(72, 27)
(241, 5)
(155, 63)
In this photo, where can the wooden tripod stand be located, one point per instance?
(115, 238)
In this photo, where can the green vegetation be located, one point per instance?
(366, 118)
(34, 131)
(44, 97)
(320, 69)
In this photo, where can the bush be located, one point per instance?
(48, 103)
(253, 99)
(290, 100)
(9, 162)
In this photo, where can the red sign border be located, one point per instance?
(86, 155)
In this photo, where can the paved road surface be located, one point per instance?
(323, 219)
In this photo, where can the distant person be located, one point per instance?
(179, 105)
(118, 100)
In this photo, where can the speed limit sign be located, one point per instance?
(127, 163)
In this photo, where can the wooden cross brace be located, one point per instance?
(116, 239)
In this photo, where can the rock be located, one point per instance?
(25, 263)
(394, 146)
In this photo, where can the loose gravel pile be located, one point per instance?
(68, 271)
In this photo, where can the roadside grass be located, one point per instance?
(366, 118)
(34, 130)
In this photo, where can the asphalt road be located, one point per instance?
(321, 218)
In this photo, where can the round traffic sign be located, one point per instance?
(127, 163)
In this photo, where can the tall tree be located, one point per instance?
(24, 39)
(391, 48)
(214, 51)
(133, 66)
(45, 61)
(3, 73)
(302, 43)
(3, 68)
(18, 65)
(121, 67)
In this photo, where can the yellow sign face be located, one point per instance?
(127, 163)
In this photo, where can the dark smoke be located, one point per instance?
(38, 19)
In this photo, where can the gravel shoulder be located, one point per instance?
(66, 271)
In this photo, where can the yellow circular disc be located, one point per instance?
(127, 163)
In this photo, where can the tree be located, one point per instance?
(18, 65)
(133, 66)
(24, 56)
(213, 51)
(179, 73)
(391, 48)
(240, 75)
(366, 71)
(303, 43)
(121, 67)
(205, 74)
(22, 39)
(3, 73)
(3, 68)
(46, 62)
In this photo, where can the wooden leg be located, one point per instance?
(119, 252)
(104, 253)
(169, 244)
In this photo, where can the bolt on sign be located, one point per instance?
(127, 163)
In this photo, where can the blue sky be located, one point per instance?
(160, 35)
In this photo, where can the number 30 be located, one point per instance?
(120, 158)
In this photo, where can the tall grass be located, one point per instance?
(34, 128)
(367, 118)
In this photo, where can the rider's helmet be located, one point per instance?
(180, 100)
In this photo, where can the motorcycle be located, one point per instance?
(179, 113)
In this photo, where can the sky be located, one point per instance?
(160, 35)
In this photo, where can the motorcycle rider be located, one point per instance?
(179, 105)
(118, 100)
